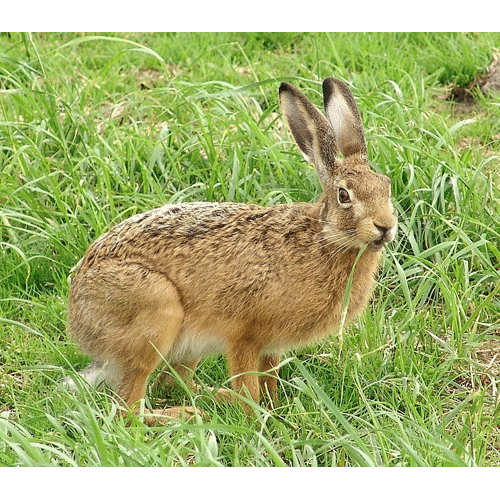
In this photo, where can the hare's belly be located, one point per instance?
(203, 336)
(192, 344)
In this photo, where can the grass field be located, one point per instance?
(95, 128)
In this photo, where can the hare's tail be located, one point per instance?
(95, 374)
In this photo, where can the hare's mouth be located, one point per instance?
(377, 245)
(385, 235)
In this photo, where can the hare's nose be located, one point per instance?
(387, 233)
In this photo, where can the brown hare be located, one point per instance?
(194, 279)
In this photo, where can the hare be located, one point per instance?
(189, 280)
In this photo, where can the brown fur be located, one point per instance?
(189, 280)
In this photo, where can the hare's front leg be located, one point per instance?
(243, 357)
(268, 366)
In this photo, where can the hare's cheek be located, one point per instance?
(367, 231)
(358, 211)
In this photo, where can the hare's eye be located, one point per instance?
(343, 196)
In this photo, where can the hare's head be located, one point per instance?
(356, 206)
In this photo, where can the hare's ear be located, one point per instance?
(311, 130)
(343, 115)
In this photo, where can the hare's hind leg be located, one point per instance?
(128, 316)
(149, 335)
(184, 370)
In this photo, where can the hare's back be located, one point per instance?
(182, 219)
(228, 258)
(147, 236)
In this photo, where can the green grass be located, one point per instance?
(96, 128)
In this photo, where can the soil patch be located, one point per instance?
(486, 83)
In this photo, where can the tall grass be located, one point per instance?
(96, 128)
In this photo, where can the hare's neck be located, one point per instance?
(363, 278)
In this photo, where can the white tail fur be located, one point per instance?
(95, 374)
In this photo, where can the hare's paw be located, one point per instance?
(157, 417)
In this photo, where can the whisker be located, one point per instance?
(317, 220)
(346, 243)
(332, 236)
(336, 237)
(340, 241)
(337, 240)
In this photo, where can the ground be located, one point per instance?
(97, 127)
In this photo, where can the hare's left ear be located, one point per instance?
(311, 130)
(343, 115)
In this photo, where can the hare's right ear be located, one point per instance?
(312, 132)
(343, 115)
